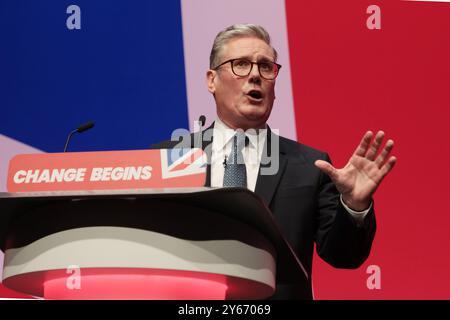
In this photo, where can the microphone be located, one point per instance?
(80, 129)
(85, 127)
(201, 121)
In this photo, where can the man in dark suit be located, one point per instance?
(310, 199)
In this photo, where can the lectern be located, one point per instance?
(194, 243)
(64, 237)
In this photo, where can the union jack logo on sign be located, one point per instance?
(182, 162)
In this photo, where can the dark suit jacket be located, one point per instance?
(307, 208)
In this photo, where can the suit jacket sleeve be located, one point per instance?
(340, 241)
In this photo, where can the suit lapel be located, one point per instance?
(267, 184)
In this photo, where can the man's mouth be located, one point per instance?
(255, 95)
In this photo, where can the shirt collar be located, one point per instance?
(223, 134)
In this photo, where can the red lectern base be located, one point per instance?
(136, 284)
(136, 287)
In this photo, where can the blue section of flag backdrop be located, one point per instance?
(124, 70)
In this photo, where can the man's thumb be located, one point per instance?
(326, 168)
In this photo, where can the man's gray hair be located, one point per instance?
(237, 31)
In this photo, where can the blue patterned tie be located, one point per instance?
(235, 174)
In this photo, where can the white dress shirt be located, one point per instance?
(221, 147)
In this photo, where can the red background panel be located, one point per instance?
(348, 79)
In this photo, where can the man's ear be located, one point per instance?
(210, 78)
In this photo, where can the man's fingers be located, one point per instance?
(375, 146)
(327, 168)
(388, 166)
(364, 144)
(385, 153)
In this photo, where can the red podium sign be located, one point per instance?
(106, 170)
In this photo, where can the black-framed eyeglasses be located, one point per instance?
(242, 67)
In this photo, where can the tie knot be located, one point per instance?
(239, 139)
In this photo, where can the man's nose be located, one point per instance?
(254, 76)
